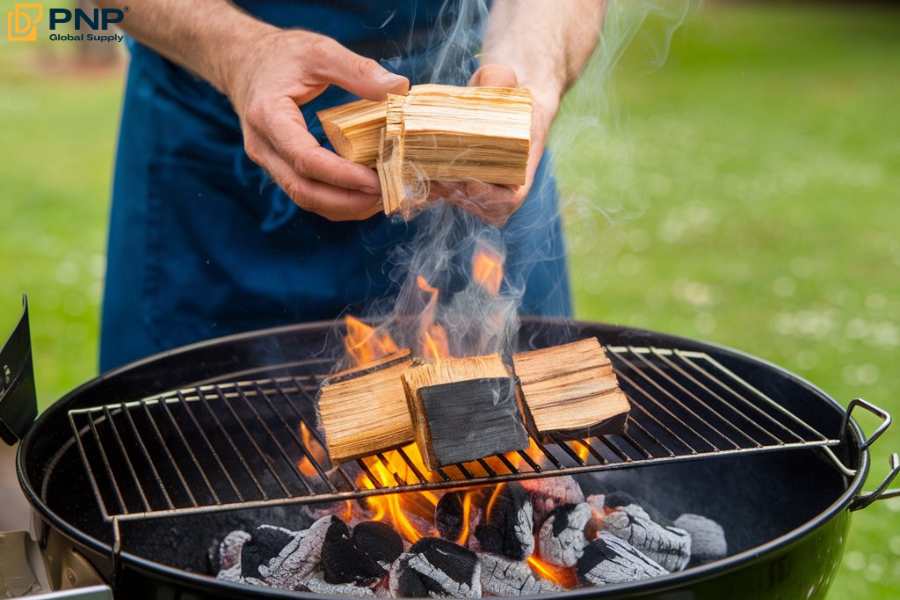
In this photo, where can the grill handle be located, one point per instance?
(882, 492)
(18, 400)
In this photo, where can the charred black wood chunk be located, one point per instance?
(609, 559)
(668, 545)
(473, 418)
(507, 527)
(378, 541)
(343, 562)
(436, 567)
(561, 539)
(708, 541)
(549, 493)
(501, 576)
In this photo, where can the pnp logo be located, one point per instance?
(22, 21)
(98, 18)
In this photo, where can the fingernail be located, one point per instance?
(395, 81)
(369, 190)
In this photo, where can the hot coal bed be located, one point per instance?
(518, 538)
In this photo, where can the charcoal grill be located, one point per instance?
(138, 469)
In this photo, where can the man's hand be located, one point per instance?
(494, 204)
(281, 70)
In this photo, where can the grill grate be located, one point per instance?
(244, 444)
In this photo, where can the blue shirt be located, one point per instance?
(203, 244)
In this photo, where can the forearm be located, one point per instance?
(204, 36)
(547, 44)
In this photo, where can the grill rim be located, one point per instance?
(855, 452)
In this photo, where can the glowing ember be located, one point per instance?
(365, 343)
(487, 269)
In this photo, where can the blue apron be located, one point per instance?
(203, 244)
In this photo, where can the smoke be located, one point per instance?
(434, 272)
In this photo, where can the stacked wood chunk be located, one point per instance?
(464, 409)
(363, 411)
(354, 129)
(571, 389)
(435, 133)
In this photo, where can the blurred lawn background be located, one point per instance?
(746, 192)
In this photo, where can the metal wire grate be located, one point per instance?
(245, 444)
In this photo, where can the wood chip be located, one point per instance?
(464, 409)
(363, 411)
(571, 389)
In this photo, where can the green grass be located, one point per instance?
(746, 192)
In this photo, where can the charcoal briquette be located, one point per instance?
(378, 541)
(501, 576)
(561, 539)
(708, 541)
(668, 545)
(448, 515)
(549, 493)
(343, 562)
(229, 549)
(264, 545)
(317, 584)
(507, 527)
(436, 567)
(296, 561)
(609, 559)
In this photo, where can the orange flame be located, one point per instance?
(365, 343)
(581, 449)
(487, 269)
(564, 577)
(304, 465)
(398, 510)
(463, 536)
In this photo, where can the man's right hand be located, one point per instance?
(281, 70)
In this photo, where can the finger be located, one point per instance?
(495, 76)
(286, 131)
(491, 203)
(333, 203)
(356, 74)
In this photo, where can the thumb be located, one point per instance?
(360, 75)
(494, 75)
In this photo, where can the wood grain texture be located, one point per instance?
(571, 389)
(363, 411)
(435, 133)
(354, 129)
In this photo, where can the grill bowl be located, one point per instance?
(785, 513)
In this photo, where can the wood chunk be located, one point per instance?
(354, 129)
(466, 133)
(571, 389)
(364, 410)
(435, 133)
(464, 409)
